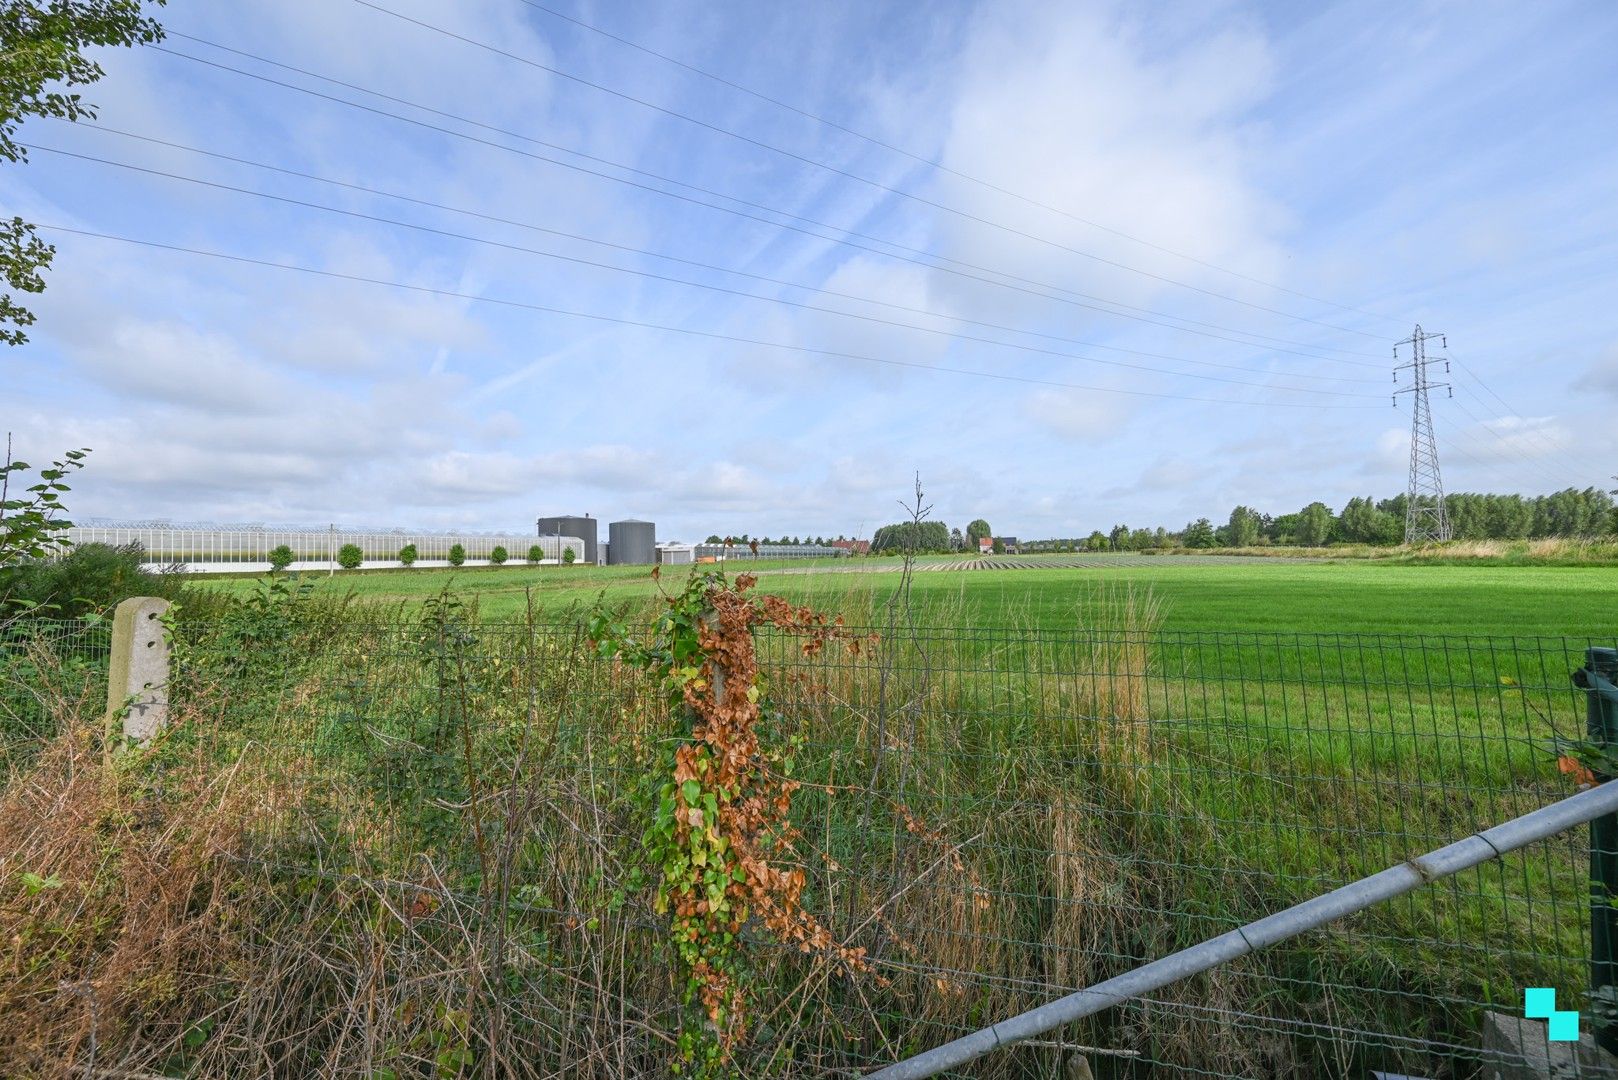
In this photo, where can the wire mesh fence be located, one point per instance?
(75, 650)
(996, 816)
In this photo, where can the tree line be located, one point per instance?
(1570, 513)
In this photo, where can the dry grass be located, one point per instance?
(113, 904)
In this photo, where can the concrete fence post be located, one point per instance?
(138, 676)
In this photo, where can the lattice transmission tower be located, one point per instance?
(1425, 516)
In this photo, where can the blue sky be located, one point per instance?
(1300, 184)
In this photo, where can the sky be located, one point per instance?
(754, 268)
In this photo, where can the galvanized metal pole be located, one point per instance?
(1395, 881)
(1596, 678)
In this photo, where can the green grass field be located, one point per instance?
(1195, 595)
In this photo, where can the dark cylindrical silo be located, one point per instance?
(567, 525)
(632, 543)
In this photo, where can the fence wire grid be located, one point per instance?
(998, 816)
(76, 652)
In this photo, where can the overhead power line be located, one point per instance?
(902, 253)
(935, 164)
(347, 185)
(1532, 434)
(965, 215)
(595, 264)
(1514, 453)
(667, 328)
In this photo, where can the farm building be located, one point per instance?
(673, 553)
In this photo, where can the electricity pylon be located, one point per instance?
(1425, 516)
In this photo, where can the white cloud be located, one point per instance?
(173, 363)
(1095, 110)
(1079, 415)
(1602, 375)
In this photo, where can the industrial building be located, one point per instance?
(673, 553)
(631, 543)
(721, 552)
(571, 525)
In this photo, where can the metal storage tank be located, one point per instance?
(582, 527)
(632, 543)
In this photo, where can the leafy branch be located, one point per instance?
(42, 57)
(30, 527)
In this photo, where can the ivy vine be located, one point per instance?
(721, 835)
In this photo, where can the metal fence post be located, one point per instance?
(138, 671)
(1597, 679)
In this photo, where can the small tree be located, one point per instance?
(1243, 528)
(457, 555)
(280, 557)
(1314, 524)
(349, 556)
(499, 555)
(30, 527)
(407, 555)
(999, 546)
(1200, 534)
(536, 554)
(568, 556)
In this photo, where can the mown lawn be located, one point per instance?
(1245, 595)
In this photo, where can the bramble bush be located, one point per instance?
(89, 578)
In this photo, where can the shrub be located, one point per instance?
(536, 554)
(457, 555)
(349, 556)
(407, 555)
(280, 557)
(499, 555)
(90, 577)
(568, 556)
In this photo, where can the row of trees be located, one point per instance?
(1573, 512)
(930, 537)
(350, 557)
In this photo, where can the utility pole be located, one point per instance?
(1425, 516)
